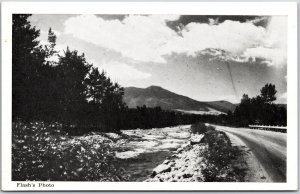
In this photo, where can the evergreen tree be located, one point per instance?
(268, 93)
(27, 63)
(71, 85)
(50, 48)
(96, 86)
(107, 97)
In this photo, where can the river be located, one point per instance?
(145, 149)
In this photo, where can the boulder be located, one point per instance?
(172, 164)
(196, 139)
(187, 175)
(179, 150)
(183, 146)
(161, 169)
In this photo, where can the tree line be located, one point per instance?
(259, 110)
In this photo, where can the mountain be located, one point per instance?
(157, 96)
(223, 105)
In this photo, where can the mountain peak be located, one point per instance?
(153, 96)
(155, 87)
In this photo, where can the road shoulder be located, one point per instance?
(255, 171)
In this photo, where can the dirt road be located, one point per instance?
(266, 150)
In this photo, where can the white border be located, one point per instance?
(189, 8)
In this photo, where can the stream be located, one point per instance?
(146, 149)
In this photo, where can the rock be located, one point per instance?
(161, 169)
(179, 176)
(179, 150)
(183, 146)
(187, 175)
(155, 179)
(185, 167)
(202, 165)
(199, 179)
(196, 139)
(200, 159)
(153, 174)
(172, 164)
(188, 147)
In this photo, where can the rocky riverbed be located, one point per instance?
(174, 154)
(143, 150)
(166, 154)
(203, 158)
(184, 166)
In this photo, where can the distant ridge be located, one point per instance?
(157, 96)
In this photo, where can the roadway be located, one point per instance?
(268, 148)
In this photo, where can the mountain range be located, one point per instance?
(154, 96)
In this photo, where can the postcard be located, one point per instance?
(149, 96)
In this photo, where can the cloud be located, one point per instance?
(230, 36)
(120, 71)
(137, 37)
(273, 47)
(272, 56)
(282, 98)
(147, 38)
(116, 70)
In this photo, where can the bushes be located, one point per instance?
(41, 153)
(220, 157)
(216, 139)
(201, 128)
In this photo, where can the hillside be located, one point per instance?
(157, 96)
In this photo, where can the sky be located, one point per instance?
(206, 58)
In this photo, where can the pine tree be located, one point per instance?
(107, 97)
(27, 60)
(71, 83)
(268, 93)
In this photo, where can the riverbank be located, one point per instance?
(207, 157)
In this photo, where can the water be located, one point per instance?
(146, 149)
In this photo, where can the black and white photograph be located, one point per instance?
(152, 98)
